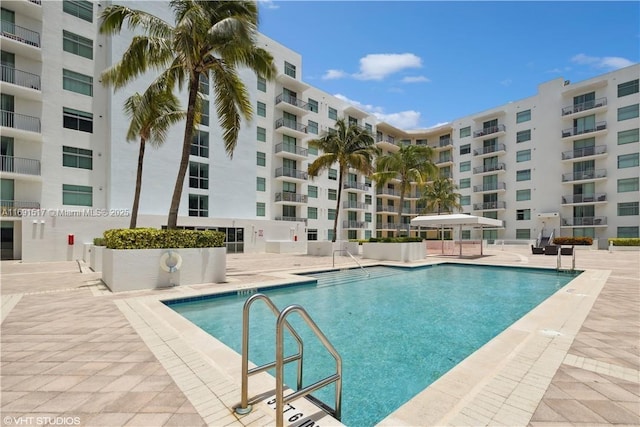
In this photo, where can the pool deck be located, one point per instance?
(73, 353)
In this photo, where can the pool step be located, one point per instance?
(339, 277)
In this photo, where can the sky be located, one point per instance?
(418, 64)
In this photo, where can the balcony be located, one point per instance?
(388, 142)
(492, 149)
(291, 82)
(444, 161)
(584, 175)
(496, 187)
(291, 173)
(291, 104)
(291, 218)
(354, 224)
(359, 186)
(20, 37)
(291, 197)
(14, 208)
(20, 125)
(292, 127)
(443, 144)
(580, 153)
(575, 199)
(598, 127)
(584, 106)
(20, 83)
(490, 168)
(585, 221)
(386, 209)
(490, 206)
(493, 130)
(19, 166)
(291, 151)
(392, 226)
(387, 192)
(355, 206)
(414, 195)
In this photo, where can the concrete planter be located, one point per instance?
(406, 252)
(613, 248)
(135, 269)
(95, 257)
(285, 247)
(327, 248)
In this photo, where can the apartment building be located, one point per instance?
(564, 160)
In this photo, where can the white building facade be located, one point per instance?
(564, 160)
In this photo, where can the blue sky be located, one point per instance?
(417, 64)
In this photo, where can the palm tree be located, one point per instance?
(440, 196)
(350, 147)
(211, 39)
(151, 114)
(411, 163)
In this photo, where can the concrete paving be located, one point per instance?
(72, 353)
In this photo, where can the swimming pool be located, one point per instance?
(397, 331)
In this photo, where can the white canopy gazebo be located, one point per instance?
(456, 219)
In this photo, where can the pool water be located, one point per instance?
(397, 331)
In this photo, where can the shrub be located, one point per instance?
(98, 241)
(151, 238)
(573, 241)
(630, 241)
(395, 239)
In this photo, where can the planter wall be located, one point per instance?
(613, 248)
(285, 247)
(327, 248)
(95, 257)
(406, 252)
(135, 269)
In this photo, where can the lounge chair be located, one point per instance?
(551, 250)
(537, 251)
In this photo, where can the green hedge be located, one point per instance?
(98, 241)
(395, 239)
(573, 241)
(631, 241)
(151, 238)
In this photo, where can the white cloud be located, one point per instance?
(403, 119)
(334, 74)
(415, 79)
(607, 62)
(377, 66)
(268, 4)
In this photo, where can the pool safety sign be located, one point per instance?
(293, 417)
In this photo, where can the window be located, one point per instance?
(289, 187)
(312, 191)
(465, 166)
(523, 116)
(77, 120)
(522, 195)
(523, 135)
(261, 159)
(333, 113)
(333, 174)
(464, 183)
(312, 234)
(367, 217)
(260, 209)
(261, 134)
(628, 209)
(330, 234)
(465, 149)
(523, 233)
(523, 175)
(261, 184)
(523, 214)
(331, 214)
(77, 45)
(465, 200)
(262, 84)
(198, 205)
(199, 175)
(629, 112)
(523, 155)
(203, 84)
(289, 69)
(466, 235)
(312, 213)
(262, 109)
(628, 160)
(628, 136)
(368, 127)
(200, 144)
(629, 232)
(312, 127)
(78, 195)
(79, 8)
(313, 150)
(628, 88)
(332, 194)
(204, 114)
(76, 82)
(77, 158)
(626, 185)
(367, 199)
(464, 132)
(312, 105)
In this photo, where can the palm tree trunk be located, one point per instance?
(136, 196)
(335, 220)
(401, 208)
(172, 220)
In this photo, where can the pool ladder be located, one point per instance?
(281, 360)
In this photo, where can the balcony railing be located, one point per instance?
(388, 139)
(584, 220)
(381, 208)
(442, 160)
(350, 204)
(584, 106)
(290, 148)
(20, 78)
(579, 131)
(18, 33)
(490, 205)
(489, 168)
(291, 197)
(14, 208)
(291, 124)
(291, 100)
(354, 224)
(589, 174)
(19, 121)
(490, 149)
(388, 192)
(490, 187)
(292, 173)
(393, 226)
(584, 152)
(20, 165)
(291, 218)
(489, 131)
(444, 142)
(584, 198)
(356, 186)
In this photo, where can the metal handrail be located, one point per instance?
(281, 399)
(352, 257)
(245, 408)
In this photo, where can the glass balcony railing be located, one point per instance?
(584, 198)
(19, 121)
(20, 78)
(584, 221)
(584, 106)
(489, 149)
(489, 168)
(19, 165)
(490, 187)
(589, 174)
(291, 173)
(582, 130)
(23, 35)
(291, 197)
(489, 131)
(584, 152)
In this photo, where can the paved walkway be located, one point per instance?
(74, 354)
